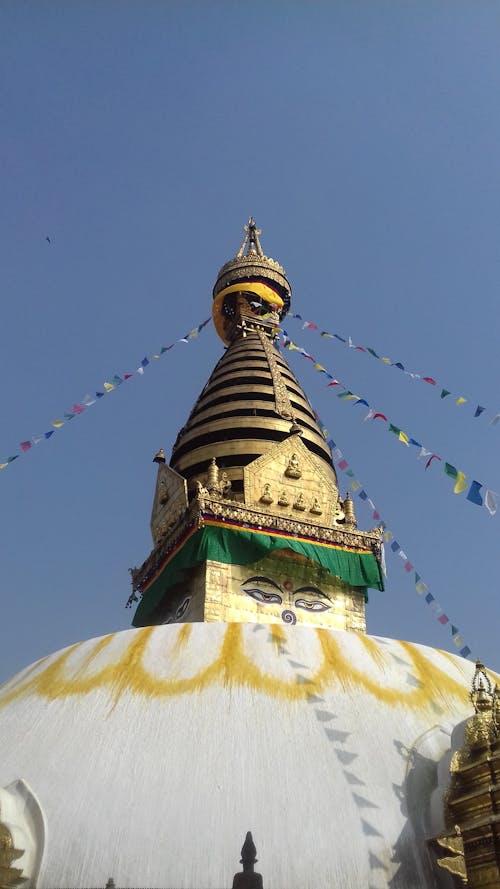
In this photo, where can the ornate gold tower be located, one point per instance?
(472, 809)
(247, 522)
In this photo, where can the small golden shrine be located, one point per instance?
(10, 876)
(248, 523)
(472, 807)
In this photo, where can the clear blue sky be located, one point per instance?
(139, 136)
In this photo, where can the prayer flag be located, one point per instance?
(394, 429)
(349, 473)
(429, 461)
(376, 515)
(399, 365)
(369, 415)
(363, 495)
(495, 420)
(424, 453)
(57, 424)
(325, 333)
(355, 485)
(421, 587)
(382, 417)
(416, 443)
(362, 401)
(319, 367)
(68, 416)
(474, 494)
(460, 400)
(388, 535)
(429, 598)
(490, 501)
(404, 438)
(25, 445)
(3, 465)
(429, 380)
(443, 619)
(465, 651)
(360, 348)
(450, 470)
(334, 383)
(458, 641)
(99, 395)
(454, 630)
(144, 362)
(460, 484)
(11, 459)
(310, 325)
(337, 337)
(445, 392)
(36, 439)
(140, 370)
(395, 546)
(336, 454)
(127, 376)
(408, 567)
(88, 401)
(48, 434)
(479, 410)
(343, 464)
(386, 360)
(77, 409)
(117, 380)
(372, 352)
(108, 387)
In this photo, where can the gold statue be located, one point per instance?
(300, 503)
(266, 496)
(283, 499)
(315, 507)
(293, 468)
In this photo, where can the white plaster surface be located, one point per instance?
(152, 752)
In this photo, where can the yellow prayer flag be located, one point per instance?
(293, 348)
(3, 465)
(348, 397)
(460, 484)
(319, 367)
(57, 424)
(386, 360)
(388, 536)
(156, 356)
(108, 387)
(461, 400)
(404, 438)
(355, 486)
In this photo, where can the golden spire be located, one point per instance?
(252, 239)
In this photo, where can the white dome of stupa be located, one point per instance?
(146, 756)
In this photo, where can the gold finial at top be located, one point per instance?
(252, 239)
(482, 693)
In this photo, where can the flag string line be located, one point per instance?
(349, 344)
(477, 493)
(88, 400)
(421, 586)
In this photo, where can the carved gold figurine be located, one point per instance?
(293, 468)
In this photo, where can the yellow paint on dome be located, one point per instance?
(427, 683)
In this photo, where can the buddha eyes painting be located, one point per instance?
(268, 592)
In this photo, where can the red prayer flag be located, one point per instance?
(429, 380)
(431, 458)
(343, 464)
(382, 416)
(25, 445)
(77, 409)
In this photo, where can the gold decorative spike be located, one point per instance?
(159, 457)
(350, 518)
(10, 877)
(293, 468)
(251, 239)
(213, 477)
(266, 496)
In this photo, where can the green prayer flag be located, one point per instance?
(394, 429)
(450, 470)
(444, 393)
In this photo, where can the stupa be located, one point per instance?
(248, 696)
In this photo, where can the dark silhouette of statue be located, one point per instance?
(248, 879)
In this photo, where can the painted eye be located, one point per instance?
(311, 605)
(261, 596)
